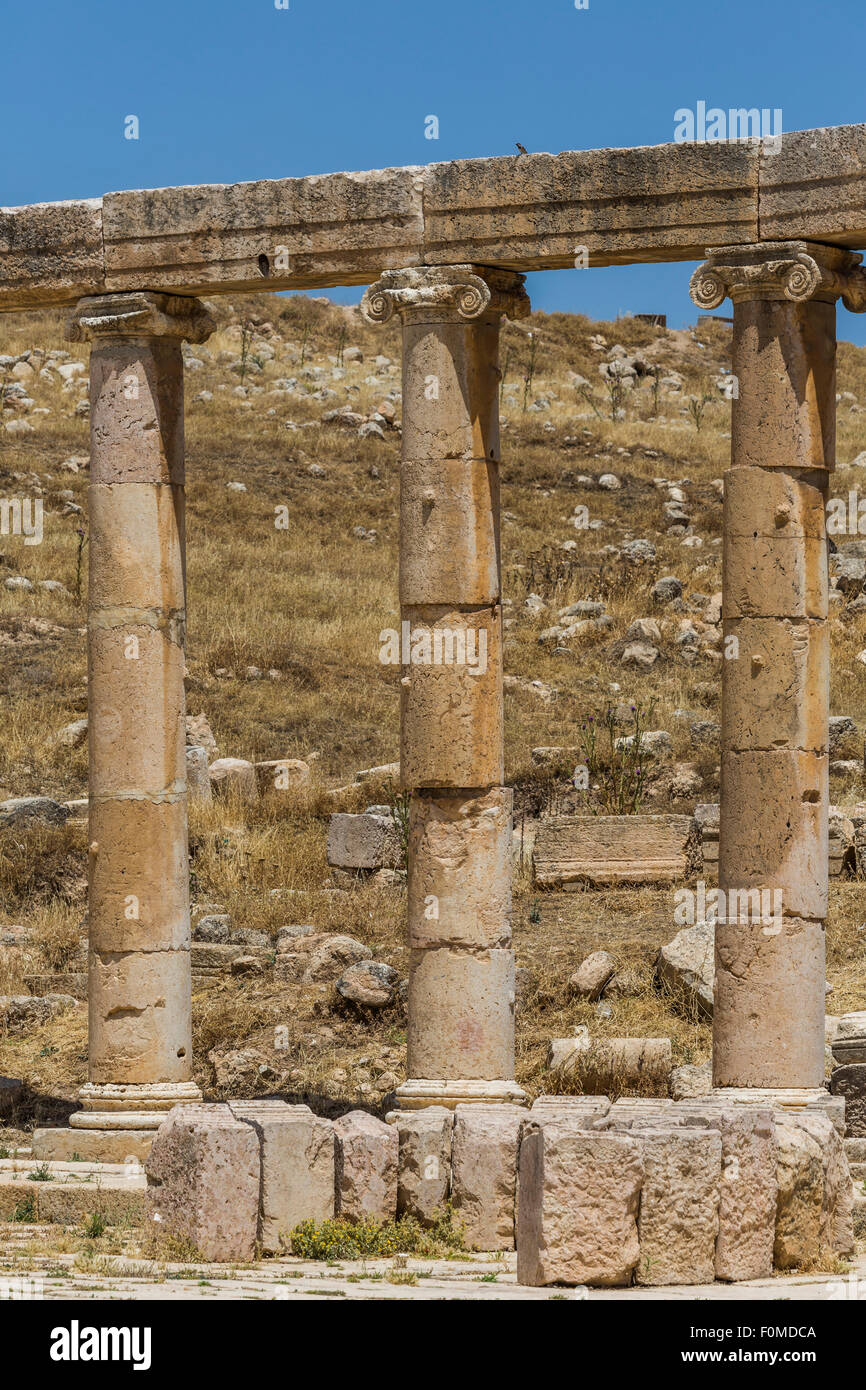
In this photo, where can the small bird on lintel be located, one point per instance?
(521, 148)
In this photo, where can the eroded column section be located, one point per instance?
(768, 1026)
(461, 982)
(140, 1050)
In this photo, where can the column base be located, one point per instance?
(416, 1095)
(115, 1122)
(92, 1145)
(131, 1107)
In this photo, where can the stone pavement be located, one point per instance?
(59, 1276)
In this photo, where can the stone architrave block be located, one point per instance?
(362, 842)
(571, 850)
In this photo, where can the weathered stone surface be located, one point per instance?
(679, 1206)
(234, 776)
(197, 774)
(591, 976)
(203, 1176)
(362, 842)
(815, 185)
(770, 979)
(579, 1109)
(451, 723)
(371, 984)
(51, 253)
(367, 1164)
(778, 840)
(460, 861)
(485, 1147)
(686, 968)
(25, 810)
(19, 1013)
(749, 1192)
(473, 1038)
(328, 960)
(800, 1195)
(850, 1081)
(612, 849)
(691, 1080)
(297, 1166)
(532, 211)
(273, 234)
(577, 1205)
(849, 1042)
(424, 1179)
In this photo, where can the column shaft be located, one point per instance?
(768, 1025)
(460, 1039)
(139, 987)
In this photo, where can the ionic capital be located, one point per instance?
(465, 292)
(793, 270)
(140, 314)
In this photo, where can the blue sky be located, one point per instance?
(228, 90)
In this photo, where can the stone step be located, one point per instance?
(72, 1192)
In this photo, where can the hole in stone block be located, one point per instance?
(181, 1052)
(264, 264)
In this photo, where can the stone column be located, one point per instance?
(768, 1025)
(139, 982)
(461, 974)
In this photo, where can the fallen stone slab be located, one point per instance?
(592, 975)
(424, 1164)
(601, 850)
(204, 1176)
(484, 1155)
(362, 842)
(578, 1200)
(367, 1155)
(297, 1167)
(685, 968)
(679, 1206)
(234, 777)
